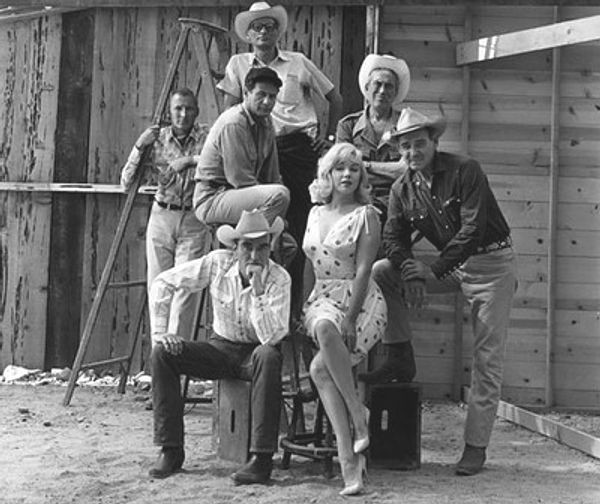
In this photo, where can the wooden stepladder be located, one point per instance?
(201, 35)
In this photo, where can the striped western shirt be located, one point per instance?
(238, 315)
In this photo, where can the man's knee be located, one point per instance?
(280, 197)
(159, 355)
(382, 269)
(267, 355)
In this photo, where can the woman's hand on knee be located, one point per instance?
(348, 327)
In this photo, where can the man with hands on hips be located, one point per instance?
(447, 199)
(251, 303)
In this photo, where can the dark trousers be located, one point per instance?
(298, 166)
(214, 359)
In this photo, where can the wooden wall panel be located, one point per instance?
(509, 133)
(122, 105)
(29, 53)
(133, 48)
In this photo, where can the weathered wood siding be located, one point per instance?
(29, 75)
(509, 119)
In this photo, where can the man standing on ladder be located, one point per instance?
(299, 142)
(174, 235)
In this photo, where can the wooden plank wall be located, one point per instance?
(132, 50)
(113, 63)
(509, 133)
(29, 75)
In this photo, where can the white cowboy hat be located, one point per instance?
(385, 62)
(256, 11)
(251, 225)
(413, 120)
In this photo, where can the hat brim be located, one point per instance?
(396, 65)
(437, 127)
(228, 235)
(243, 20)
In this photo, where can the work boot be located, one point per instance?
(399, 366)
(170, 460)
(472, 461)
(257, 470)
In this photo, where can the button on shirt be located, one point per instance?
(240, 151)
(457, 214)
(175, 188)
(239, 316)
(294, 110)
(357, 129)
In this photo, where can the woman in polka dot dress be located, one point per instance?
(345, 313)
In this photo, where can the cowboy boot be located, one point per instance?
(399, 365)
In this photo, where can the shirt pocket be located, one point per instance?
(451, 208)
(291, 92)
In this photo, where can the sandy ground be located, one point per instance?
(98, 450)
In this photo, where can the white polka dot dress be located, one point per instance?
(334, 264)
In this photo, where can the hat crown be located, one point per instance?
(259, 6)
(252, 222)
(410, 118)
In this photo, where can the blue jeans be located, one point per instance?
(214, 359)
(488, 282)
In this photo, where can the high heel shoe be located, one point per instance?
(357, 487)
(362, 443)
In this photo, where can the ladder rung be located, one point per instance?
(106, 362)
(132, 283)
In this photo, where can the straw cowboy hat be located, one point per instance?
(256, 11)
(413, 120)
(251, 225)
(386, 62)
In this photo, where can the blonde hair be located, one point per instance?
(321, 188)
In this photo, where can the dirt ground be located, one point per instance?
(99, 449)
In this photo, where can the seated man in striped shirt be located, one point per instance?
(251, 304)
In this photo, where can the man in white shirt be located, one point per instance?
(300, 137)
(251, 304)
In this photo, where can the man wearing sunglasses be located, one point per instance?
(300, 140)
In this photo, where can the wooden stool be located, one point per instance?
(231, 419)
(395, 426)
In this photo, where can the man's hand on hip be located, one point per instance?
(173, 344)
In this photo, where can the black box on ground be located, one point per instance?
(395, 426)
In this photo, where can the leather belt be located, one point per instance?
(171, 206)
(498, 245)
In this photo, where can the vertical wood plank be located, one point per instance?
(29, 85)
(354, 50)
(68, 210)
(123, 92)
(326, 53)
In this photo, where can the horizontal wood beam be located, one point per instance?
(569, 436)
(10, 15)
(524, 41)
(287, 3)
(70, 188)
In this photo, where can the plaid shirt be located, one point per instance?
(238, 315)
(175, 188)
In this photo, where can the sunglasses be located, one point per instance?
(258, 27)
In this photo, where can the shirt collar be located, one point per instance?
(194, 134)
(280, 55)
